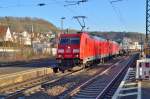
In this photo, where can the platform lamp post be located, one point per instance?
(62, 23)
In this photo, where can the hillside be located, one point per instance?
(19, 24)
(118, 36)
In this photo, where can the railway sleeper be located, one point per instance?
(21, 86)
(84, 96)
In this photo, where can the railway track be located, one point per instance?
(110, 90)
(14, 91)
(18, 90)
(104, 84)
(63, 81)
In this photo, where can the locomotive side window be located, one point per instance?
(65, 41)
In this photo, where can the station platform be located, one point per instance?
(10, 76)
(129, 88)
(9, 70)
(145, 89)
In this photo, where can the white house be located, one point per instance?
(8, 36)
(135, 46)
(5, 34)
(26, 38)
(126, 43)
(39, 47)
(22, 38)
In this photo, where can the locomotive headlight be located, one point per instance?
(77, 56)
(75, 50)
(59, 56)
(60, 50)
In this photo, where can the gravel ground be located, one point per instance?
(58, 89)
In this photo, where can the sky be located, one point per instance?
(126, 15)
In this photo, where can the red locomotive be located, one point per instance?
(82, 48)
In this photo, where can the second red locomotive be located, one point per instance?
(82, 48)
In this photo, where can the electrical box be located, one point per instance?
(143, 69)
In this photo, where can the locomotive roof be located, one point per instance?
(98, 38)
(78, 34)
(73, 34)
(102, 39)
(70, 35)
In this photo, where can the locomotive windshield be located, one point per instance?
(72, 40)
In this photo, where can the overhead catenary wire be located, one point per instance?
(67, 8)
(78, 2)
(40, 4)
(19, 4)
(71, 11)
(62, 3)
(118, 12)
(115, 1)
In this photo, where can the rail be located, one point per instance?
(90, 80)
(119, 75)
(41, 81)
(107, 87)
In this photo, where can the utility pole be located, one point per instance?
(147, 19)
(62, 23)
(32, 29)
(141, 44)
(146, 45)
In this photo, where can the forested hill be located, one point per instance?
(19, 24)
(118, 36)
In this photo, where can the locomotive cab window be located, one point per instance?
(74, 40)
(71, 40)
(64, 41)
